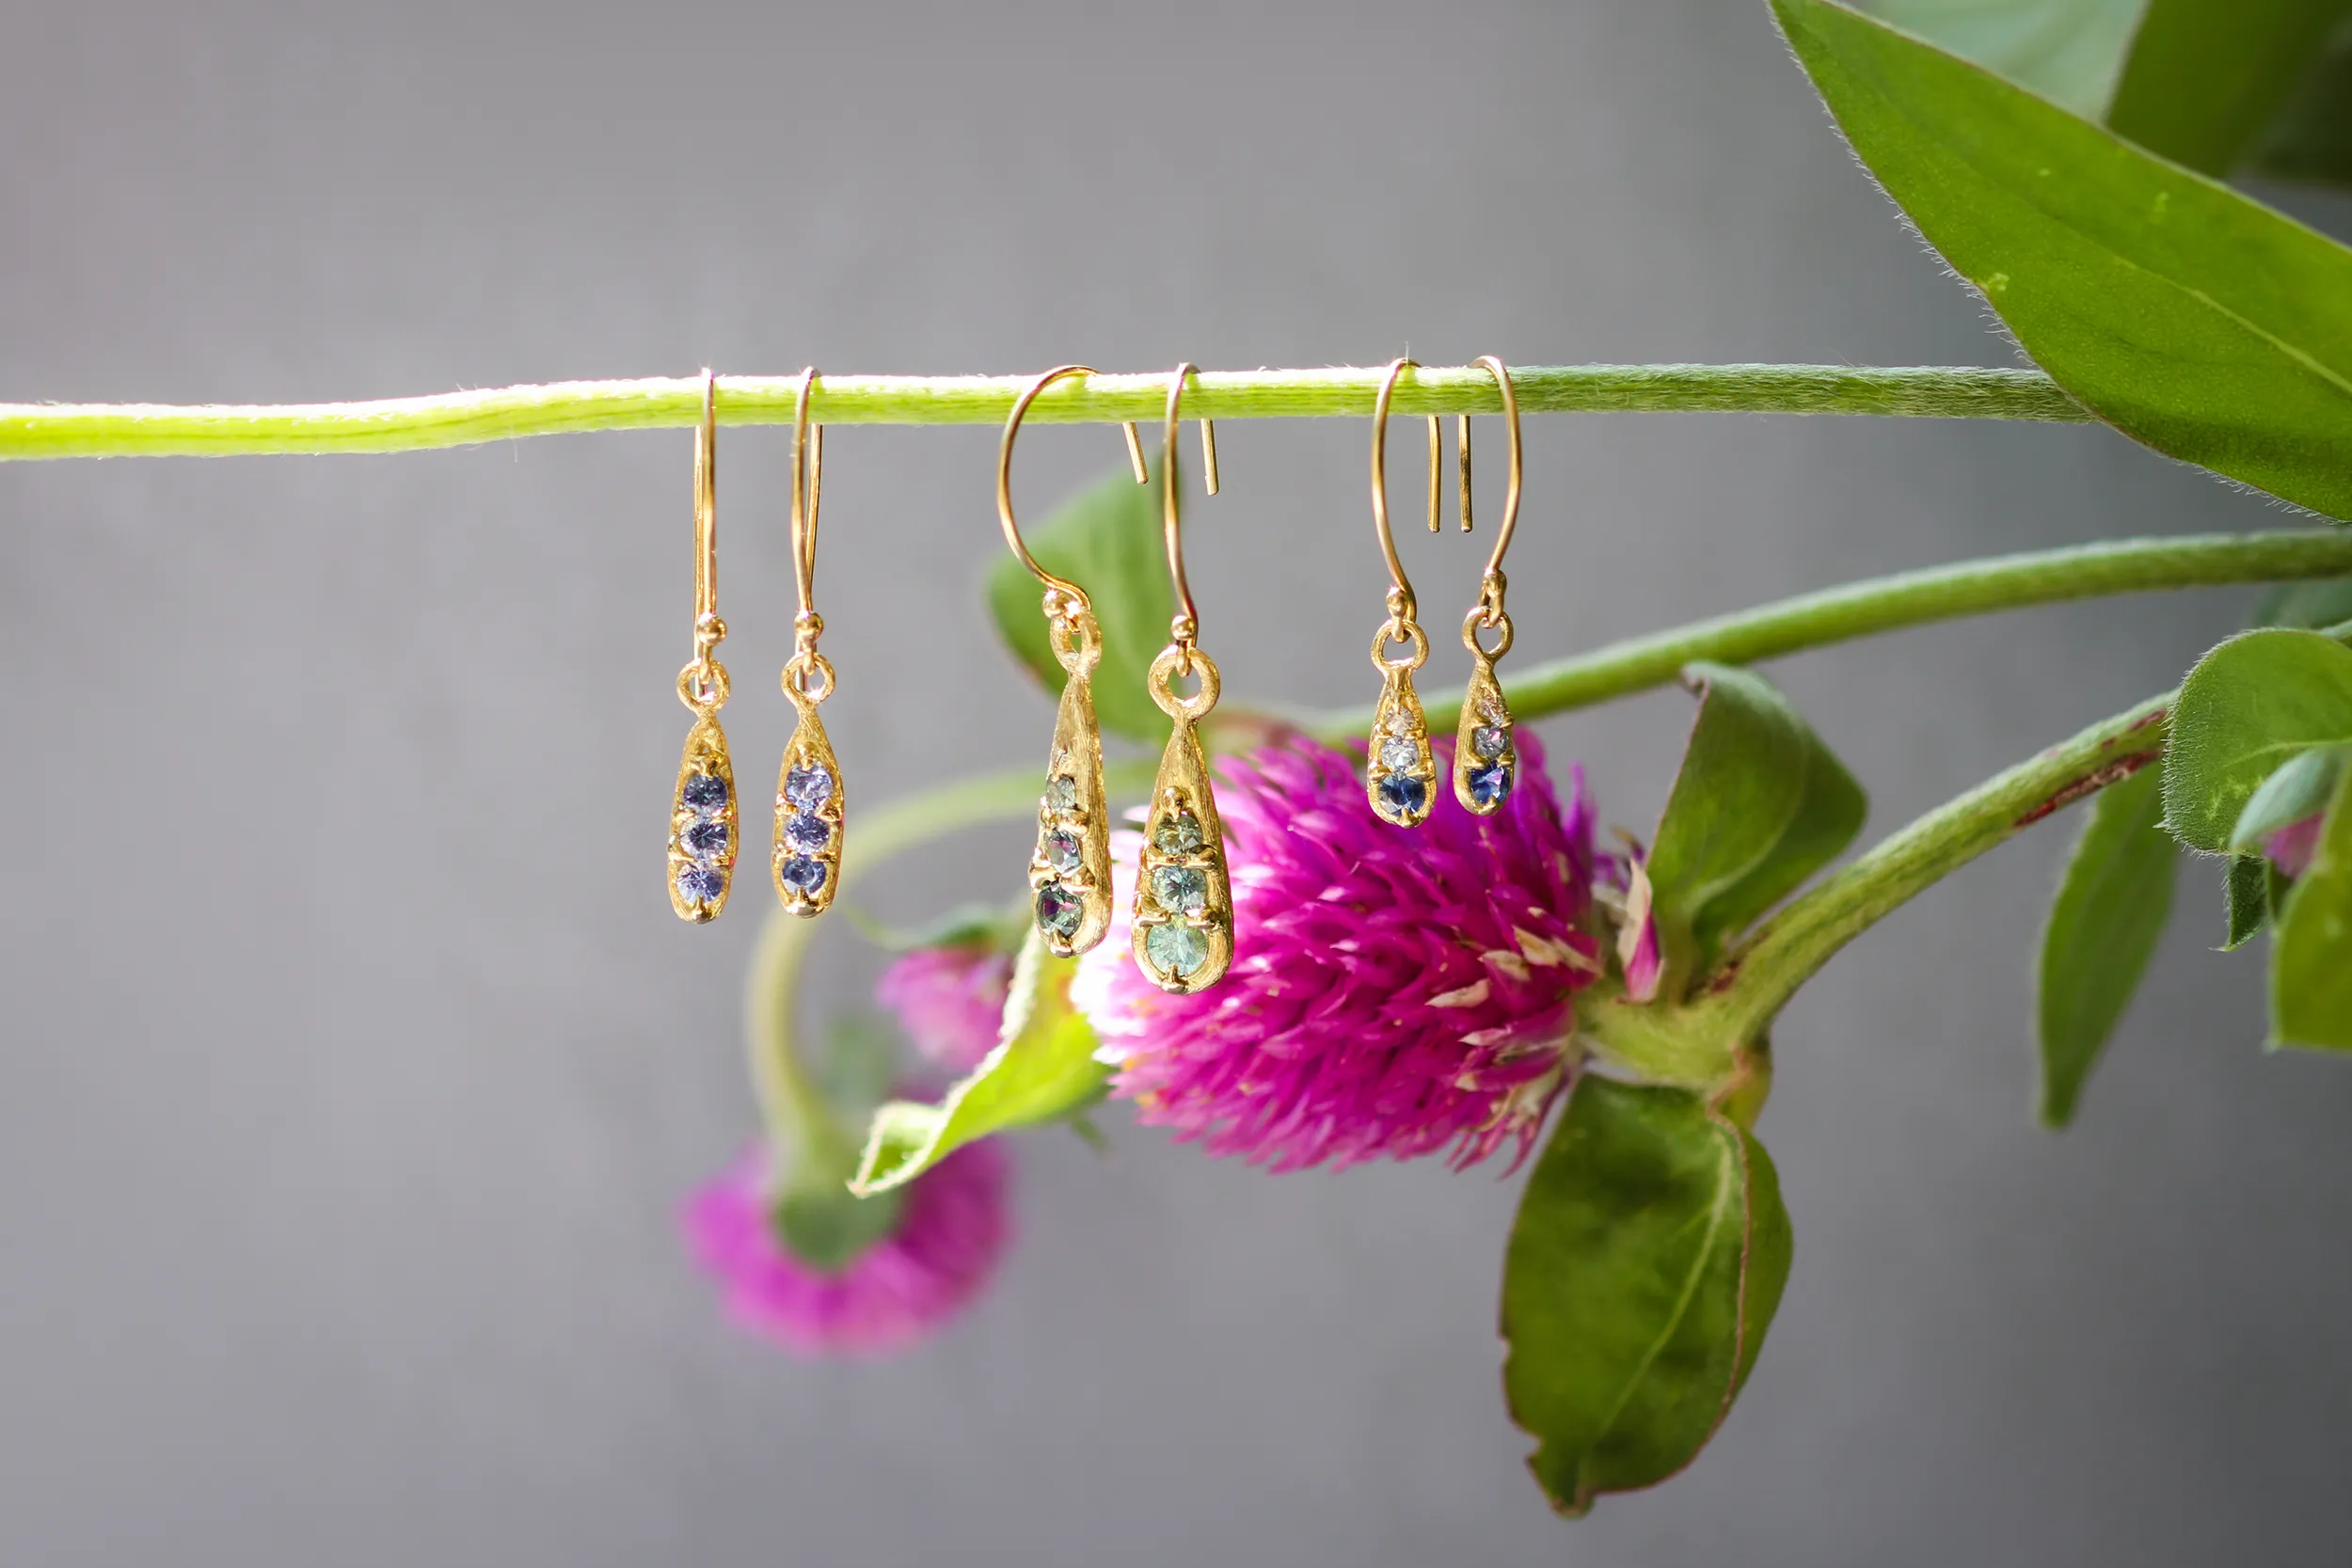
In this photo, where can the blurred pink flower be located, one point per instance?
(2290, 847)
(1394, 991)
(952, 1229)
(949, 1000)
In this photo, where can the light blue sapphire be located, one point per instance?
(1177, 949)
(807, 832)
(1177, 834)
(705, 838)
(1488, 740)
(808, 787)
(802, 875)
(1490, 784)
(1398, 755)
(1403, 795)
(705, 792)
(1180, 889)
(1058, 910)
(699, 884)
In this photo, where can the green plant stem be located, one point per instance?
(791, 1107)
(1885, 604)
(461, 419)
(1758, 980)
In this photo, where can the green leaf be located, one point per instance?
(2248, 708)
(2245, 892)
(1106, 541)
(1759, 806)
(2111, 906)
(1645, 1265)
(2067, 51)
(2203, 80)
(2301, 788)
(2311, 959)
(2313, 606)
(814, 1214)
(1044, 1070)
(2312, 138)
(2188, 317)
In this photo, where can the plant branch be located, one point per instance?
(30, 430)
(1885, 604)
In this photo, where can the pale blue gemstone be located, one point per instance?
(1180, 889)
(1488, 740)
(802, 875)
(1177, 834)
(808, 787)
(705, 792)
(1176, 949)
(1398, 755)
(699, 884)
(806, 833)
(706, 839)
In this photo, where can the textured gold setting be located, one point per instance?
(705, 757)
(1070, 870)
(1182, 939)
(1400, 773)
(1484, 740)
(808, 791)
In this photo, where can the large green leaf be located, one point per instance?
(2310, 957)
(1759, 806)
(2203, 80)
(2067, 51)
(1107, 541)
(2190, 318)
(2245, 709)
(1645, 1265)
(2315, 605)
(2312, 138)
(2111, 910)
(1044, 1070)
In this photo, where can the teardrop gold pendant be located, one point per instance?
(1399, 774)
(1069, 871)
(1183, 907)
(1486, 757)
(703, 824)
(811, 815)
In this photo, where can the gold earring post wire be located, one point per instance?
(1511, 485)
(1402, 586)
(1072, 594)
(1186, 627)
(706, 514)
(808, 485)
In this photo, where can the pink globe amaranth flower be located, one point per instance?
(949, 1000)
(951, 1232)
(2292, 847)
(1394, 991)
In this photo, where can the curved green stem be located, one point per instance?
(31, 430)
(1885, 604)
(791, 1107)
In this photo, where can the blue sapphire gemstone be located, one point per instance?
(706, 839)
(802, 875)
(705, 792)
(1058, 909)
(700, 884)
(809, 834)
(1403, 795)
(1490, 784)
(808, 787)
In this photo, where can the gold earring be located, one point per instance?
(701, 811)
(1183, 906)
(1399, 774)
(1069, 871)
(1485, 760)
(811, 811)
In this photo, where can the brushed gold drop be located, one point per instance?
(812, 812)
(1182, 939)
(1400, 772)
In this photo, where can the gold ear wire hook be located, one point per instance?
(1401, 602)
(1490, 611)
(1185, 629)
(808, 485)
(1208, 452)
(1072, 597)
(708, 630)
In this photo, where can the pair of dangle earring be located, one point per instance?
(1401, 774)
(705, 826)
(1183, 937)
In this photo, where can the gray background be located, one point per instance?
(355, 1067)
